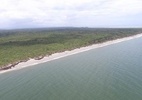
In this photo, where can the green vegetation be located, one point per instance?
(17, 45)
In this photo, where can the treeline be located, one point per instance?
(21, 44)
(68, 30)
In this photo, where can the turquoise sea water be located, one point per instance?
(109, 73)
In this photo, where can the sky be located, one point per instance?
(70, 13)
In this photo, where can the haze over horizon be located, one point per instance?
(70, 13)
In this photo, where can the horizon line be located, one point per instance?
(65, 27)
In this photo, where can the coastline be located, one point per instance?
(32, 62)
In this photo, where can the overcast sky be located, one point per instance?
(66, 13)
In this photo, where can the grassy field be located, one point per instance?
(16, 45)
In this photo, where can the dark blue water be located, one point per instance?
(109, 73)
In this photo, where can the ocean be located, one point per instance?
(112, 72)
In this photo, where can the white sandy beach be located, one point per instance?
(55, 56)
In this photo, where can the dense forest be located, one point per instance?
(22, 44)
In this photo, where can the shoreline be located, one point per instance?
(32, 62)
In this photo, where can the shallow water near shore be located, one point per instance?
(113, 72)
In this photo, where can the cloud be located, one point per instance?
(46, 13)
